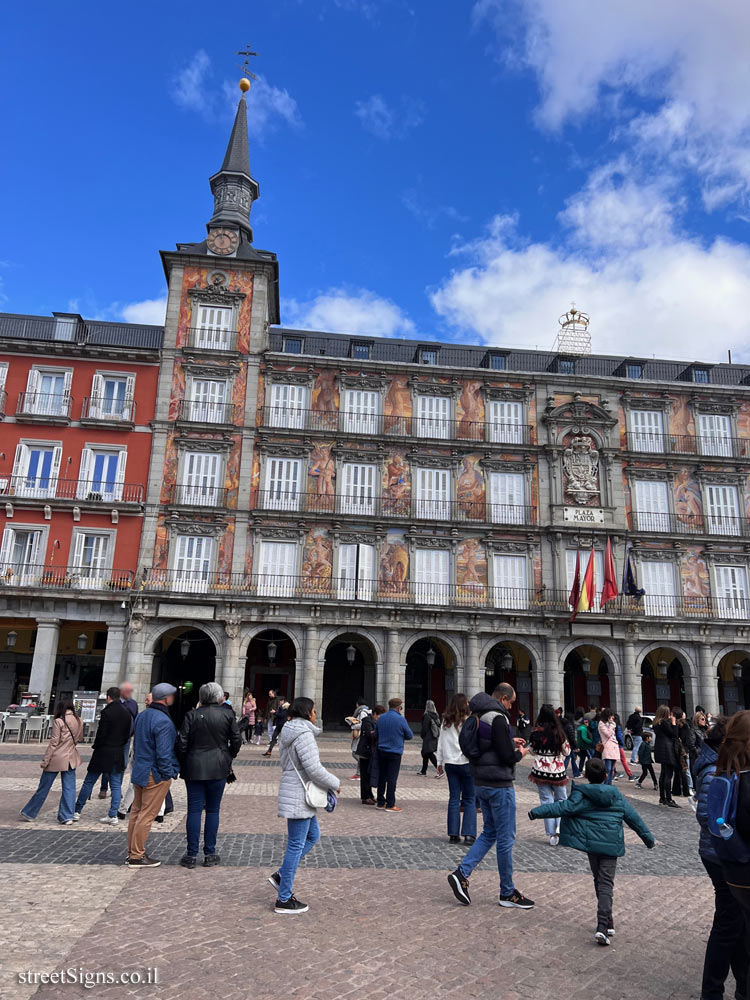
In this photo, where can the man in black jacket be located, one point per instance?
(108, 757)
(634, 726)
(493, 767)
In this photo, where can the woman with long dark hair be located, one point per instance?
(461, 791)
(430, 733)
(300, 766)
(608, 740)
(61, 757)
(665, 734)
(549, 750)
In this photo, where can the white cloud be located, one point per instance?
(147, 311)
(189, 86)
(266, 106)
(674, 297)
(354, 311)
(386, 122)
(427, 212)
(691, 59)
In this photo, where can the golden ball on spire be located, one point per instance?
(244, 85)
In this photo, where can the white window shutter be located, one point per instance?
(122, 460)
(510, 581)
(84, 474)
(79, 540)
(366, 572)
(6, 548)
(347, 571)
(127, 410)
(20, 464)
(32, 382)
(67, 385)
(3, 375)
(652, 505)
(658, 582)
(97, 395)
(55, 471)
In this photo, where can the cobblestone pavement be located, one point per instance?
(382, 920)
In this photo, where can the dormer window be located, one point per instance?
(428, 356)
(700, 375)
(566, 366)
(633, 370)
(497, 362)
(360, 351)
(292, 345)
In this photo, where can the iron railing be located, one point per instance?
(65, 577)
(108, 410)
(689, 524)
(202, 411)
(42, 487)
(428, 428)
(362, 505)
(210, 338)
(712, 445)
(44, 404)
(197, 495)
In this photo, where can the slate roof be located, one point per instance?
(95, 332)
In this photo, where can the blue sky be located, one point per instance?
(457, 171)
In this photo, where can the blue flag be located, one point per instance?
(630, 579)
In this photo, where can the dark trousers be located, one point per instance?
(742, 896)
(389, 765)
(603, 868)
(727, 946)
(646, 770)
(365, 782)
(666, 775)
(275, 737)
(680, 784)
(583, 756)
(428, 758)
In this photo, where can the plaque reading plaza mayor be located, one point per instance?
(584, 515)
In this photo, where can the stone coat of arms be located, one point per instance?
(581, 470)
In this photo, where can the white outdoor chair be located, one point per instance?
(90, 734)
(34, 729)
(14, 725)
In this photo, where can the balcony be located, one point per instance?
(376, 424)
(65, 577)
(432, 509)
(103, 410)
(44, 407)
(188, 495)
(208, 338)
(689, 524)
(80, 490)
(711, 445)
(203, 411)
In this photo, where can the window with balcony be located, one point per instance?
(433, 493)
(356, 575)
(432, 576)
(276, 569)
(207, 403)
(200, 481)
(358, 494)
(47, 393)
(433, 416)
(214, 328)
(361, 411)
(193, 562)
(288, 404)
(507, 498)
(509, 581)
(102, 474)
(651, 502)
(647, 431)
(21, 555)
(292, 345)
(731, 592)
(658, 580)
(283, 480)
(722, 508)
(570, 570)
(90, 561)
(505, 421)
(111, 397)
(36, 468)
(715, 434)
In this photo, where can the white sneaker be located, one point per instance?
(554, 840)
(76, 817)
(109, 820)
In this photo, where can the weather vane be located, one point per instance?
(247, 76)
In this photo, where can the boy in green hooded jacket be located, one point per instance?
(592, 818)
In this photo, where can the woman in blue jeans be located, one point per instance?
(300, 764)
(549, 749)
(458, 770)
(61, 757)
(208, 742)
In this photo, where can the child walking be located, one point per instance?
(646, 760)
(591, 821)
(259, 728)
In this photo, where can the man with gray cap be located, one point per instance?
(154, 766)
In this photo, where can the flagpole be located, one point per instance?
(624, 564)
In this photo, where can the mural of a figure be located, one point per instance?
(694, 573)
(394, 565)
(397, 489)
(687, 497)
(325, 401)
(317, 563)
(323, 470)
(743, 420)
(470, 412)
(471, 565)
(680, 417)
(470, 488)
(397, 406)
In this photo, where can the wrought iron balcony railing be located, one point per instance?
(202, 411)
(429, 428)
(712, 445)
(434, 509)
(108, 410)
(42, 487)
(211, 338)
(197, 495)
(47, 405)
(64, 577)
(690, 524)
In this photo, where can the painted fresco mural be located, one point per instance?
(470, 488)
(471, 570)
(394, 565)
(317, 561)
(397, 405)
(325, 393)
(396, 485)
(321, 470)
(470, 412)
(694, 574)
(238, 281)
(688, 503)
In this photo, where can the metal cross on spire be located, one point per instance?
(248, 55)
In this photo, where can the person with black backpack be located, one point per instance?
(487, 741)
(430, 734)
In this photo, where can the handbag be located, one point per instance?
(315, 796)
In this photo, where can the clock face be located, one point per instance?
(222, 241)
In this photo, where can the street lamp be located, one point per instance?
(736, 670)
(82, 640)
(662, 666)
(184, 648)
(586, 664)
(430, 657)
(10, 639)
(271, 651)
(351, 652)
(506, 663)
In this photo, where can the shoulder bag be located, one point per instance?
(315, 796)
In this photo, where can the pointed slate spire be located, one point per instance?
(233, 187)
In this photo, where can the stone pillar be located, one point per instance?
(113, 654)
(473, 675)
(233, 672)
(709, 682)
(552, 686)
(395, 671)
(307, 685)
(138, 664)
(45, 654)
(631, 682)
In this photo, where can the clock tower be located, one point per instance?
(234, 190)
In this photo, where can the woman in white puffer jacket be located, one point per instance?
(300, 761)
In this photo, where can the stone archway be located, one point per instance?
(430, 674)
(349, 672)
(511, 662)
(733, 674)
(185, 657)
(270, 664)
(587, 678)
(667, 678)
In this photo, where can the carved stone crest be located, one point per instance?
(581, 471)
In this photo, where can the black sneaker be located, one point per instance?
(275, 879)
(121, 815)
(211, 860)
(144, 862)
(517, 900)
(454, 840)
(188, 861)
(673, 804)
(460, 887)
(291, 905)
(158, 819)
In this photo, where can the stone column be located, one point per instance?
(113, 654)
(472, 675)
(138, 664)
(631, 682)
(233, 673)
(395, 671)
(45, 654)
(709, 682)
(307, 685)
(552, 686)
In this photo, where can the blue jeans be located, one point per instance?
(462, 793)
(302, 836)
(203, 795)
(67, 796)
(498, 807)
(571, 759)
(609, 767)
(637, 740)
(115, 781)
(552, 793)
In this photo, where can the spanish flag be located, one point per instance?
(609, 590)
(588, 588)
